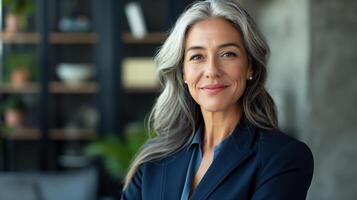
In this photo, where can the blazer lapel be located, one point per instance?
(174, 174)
(232, 154)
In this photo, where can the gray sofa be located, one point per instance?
(69, 185)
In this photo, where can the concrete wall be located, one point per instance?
(313, 79)
(333, 97)
(285, 24)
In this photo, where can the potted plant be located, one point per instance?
(17, 11)
(12, 109)
(118, 152)
(20, 68)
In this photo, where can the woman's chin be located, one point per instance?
(219, 106)
(214, 108)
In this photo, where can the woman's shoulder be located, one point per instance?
(274, 137)
(275, 143)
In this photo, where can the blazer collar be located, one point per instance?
(197, 138)
(236, 149)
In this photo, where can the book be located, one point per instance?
(135, 19)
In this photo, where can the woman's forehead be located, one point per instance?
(212, 31)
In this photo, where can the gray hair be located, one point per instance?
(175, 114)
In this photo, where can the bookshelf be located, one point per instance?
(77, 38)
(116, 103)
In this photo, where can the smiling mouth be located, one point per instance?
(214, 89)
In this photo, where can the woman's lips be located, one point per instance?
(213, 88)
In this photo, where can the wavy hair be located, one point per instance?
(175, 115)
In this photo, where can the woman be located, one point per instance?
(216, 128)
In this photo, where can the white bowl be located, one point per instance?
(74, 73)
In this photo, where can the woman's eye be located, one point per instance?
(229, 54)
(196, 57)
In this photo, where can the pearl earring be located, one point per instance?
(185, 82)
(250, 77)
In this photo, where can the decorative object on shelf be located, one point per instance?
(74, 24)
(85, 117)
(20, 68)
(5, 131)
(82, 122)
(117, 152)
(135, 19)
(74, 74)
(88, 117)
(72, 18)
(74, 161)
(13, 109)
(139, 73)
(17, 11)
(72, 156)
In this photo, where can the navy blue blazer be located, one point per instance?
(255, 164)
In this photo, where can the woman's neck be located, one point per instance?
(218, 125)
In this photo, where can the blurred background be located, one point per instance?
(77, 81)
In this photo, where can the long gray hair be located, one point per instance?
(175, 114)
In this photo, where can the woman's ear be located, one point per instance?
(250, 69)
(250, 73)
(183, 76)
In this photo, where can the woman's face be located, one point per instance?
(216, 65)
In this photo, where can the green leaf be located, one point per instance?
(117, 153)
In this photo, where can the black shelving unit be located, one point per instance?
(111, 44)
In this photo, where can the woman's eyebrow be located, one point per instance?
(194, 48)
(219, 47)
(229, 45)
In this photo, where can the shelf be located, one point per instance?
(54, 38)
(29, 88)
(25, 134)
(54, 87)
(142, 90)
(73, 38)
(55, 134)
(20, 38)
(60, 134)
(150, 38)
(62, 88)
(76, 38)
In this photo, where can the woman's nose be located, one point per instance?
(212, 70)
